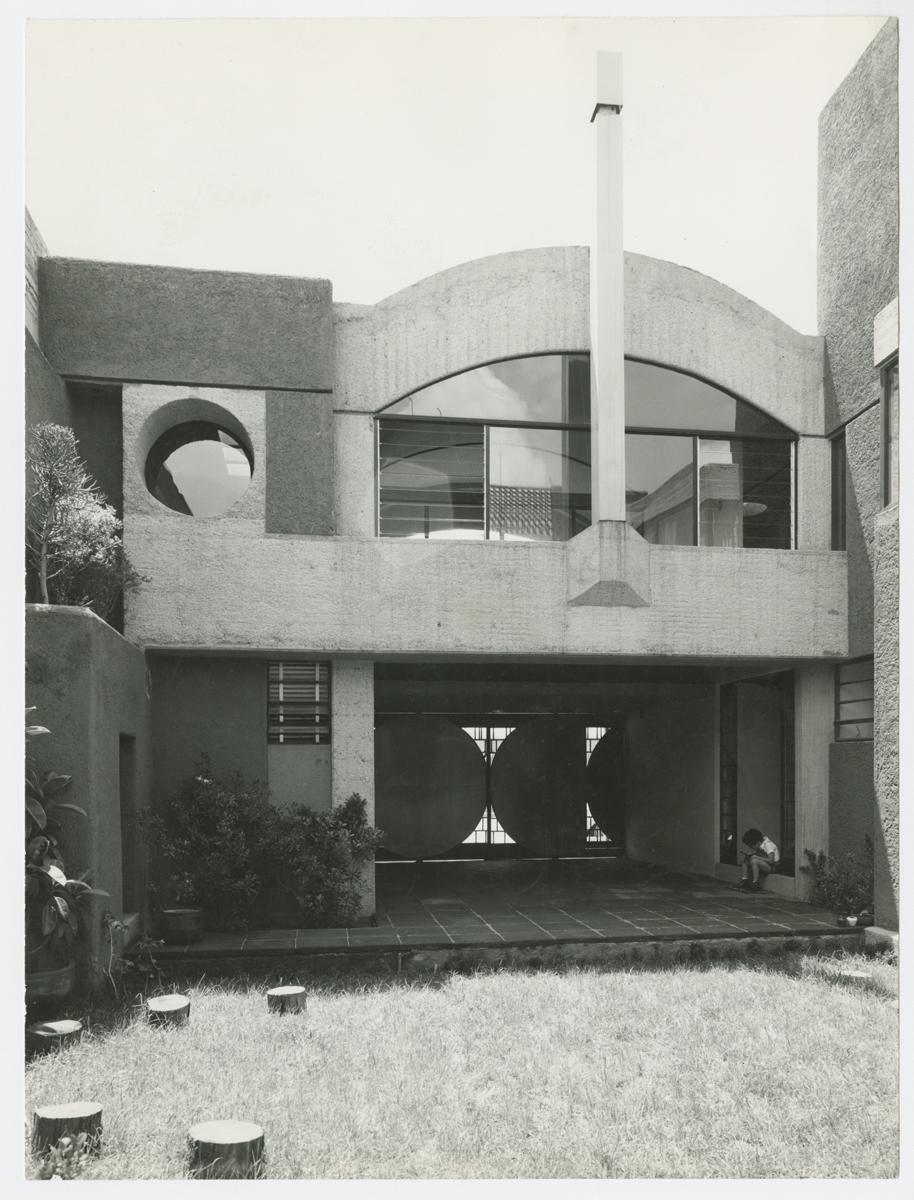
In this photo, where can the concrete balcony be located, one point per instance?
(224, 585)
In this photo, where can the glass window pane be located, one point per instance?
(745, 494)
(856, 691)
(432, 480)
(539, 483)
(659, 492)
(859, 710)
(839, 494)
(660, 398)
(862, 731)
(849, 672)
(547, 387)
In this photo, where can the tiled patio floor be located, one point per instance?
(517, 902)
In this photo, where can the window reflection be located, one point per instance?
(659, 488)
(553, 388)
(539, 483)
(432, 479)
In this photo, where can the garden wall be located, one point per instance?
(88, 685)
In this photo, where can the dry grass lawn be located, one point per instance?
(774, 1069)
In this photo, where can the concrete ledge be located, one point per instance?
(884, 939)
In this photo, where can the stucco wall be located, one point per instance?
(858, 220)
(299, 475)
(851, 796)
(217, 584)
(535, 301)
(89, 687)
(864, 500)
(352, 717)
(887, 744)
(131, 322)
(214, 706)
(670, 767)
(300, 774)
(46, 397)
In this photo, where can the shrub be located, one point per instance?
(843, 885)
(209, 842)
(222, 846)
(73, 536)
(317, 859)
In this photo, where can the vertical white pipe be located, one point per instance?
(607, 323)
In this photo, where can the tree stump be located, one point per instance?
(288, 999)
(54, 1121)
(226, 1150)
(168, 1010)
(39, 1039)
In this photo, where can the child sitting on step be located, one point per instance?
(759, 860)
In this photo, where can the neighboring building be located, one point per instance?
(375, 565)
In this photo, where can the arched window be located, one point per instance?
(503, 451)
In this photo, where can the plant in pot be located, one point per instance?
(206, 843)
(52, 900)
(843, 885)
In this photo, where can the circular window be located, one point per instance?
(198, 468)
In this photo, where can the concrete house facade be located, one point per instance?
(554, 553)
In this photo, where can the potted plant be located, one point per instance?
(51, 899)
(843, 885)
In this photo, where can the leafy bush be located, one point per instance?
(73, 536)
(209, 842)
(843, 885)
(317, 859)
(224, 847)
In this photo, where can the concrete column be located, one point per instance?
(606, 297)
(352, 770)
(813, 493)
(886, 723)
(815, 715)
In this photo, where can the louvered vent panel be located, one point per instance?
(299, 702)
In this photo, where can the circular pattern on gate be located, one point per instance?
(430, 785)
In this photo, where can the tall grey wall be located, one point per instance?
(214, 706)
(89, 688)
(670, 766)
(858, 277)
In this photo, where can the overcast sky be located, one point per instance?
(376, 152)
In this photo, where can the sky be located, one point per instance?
(377, 152)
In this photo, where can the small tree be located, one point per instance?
(73, 537)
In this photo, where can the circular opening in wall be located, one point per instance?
(198, 468)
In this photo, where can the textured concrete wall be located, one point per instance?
(355, 475)
(886, 831)
(149, 410)
(214, 584)
(534, 301)
(89, 687)
(214, 706)
(864, 499)
(46, 396)
(814, 697)
(34, 249)
(130, 322)
(813, 483)
(851, 796)
(352, 722)
(299, 481)
(858, 220)
(670, 767)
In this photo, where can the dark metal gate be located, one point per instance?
(541, 786)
